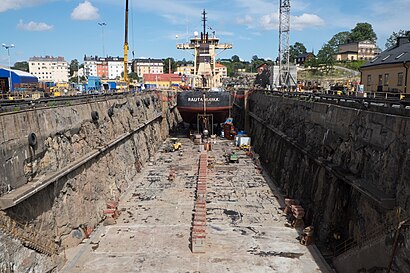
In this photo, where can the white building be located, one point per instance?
(106, 68)
(148, 66)
(49, 69)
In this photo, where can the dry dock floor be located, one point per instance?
(245, 229)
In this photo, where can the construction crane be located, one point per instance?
(285, 78)
(126, 45)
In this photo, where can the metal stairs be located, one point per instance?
(27, 236)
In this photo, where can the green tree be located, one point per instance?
(296, 50)
(23, 66)
(361, 32)
(74, 66)
(235, 59)
(392, 40)
(325, 57)
(166, 65)
(339, 39)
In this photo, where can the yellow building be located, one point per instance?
(389, 72)
(162, 81)
(365, 50)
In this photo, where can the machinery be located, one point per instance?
(233, 158)
(175, 145)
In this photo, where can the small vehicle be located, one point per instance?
(175, 144)
(233, 158)
(245, 147)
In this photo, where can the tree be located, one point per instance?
(23, 66)
(362, 32)
(235, 59)
(392, 40)
(166, 65)
(339, 39)
(325, 57)
(296, 50)
(74, 65)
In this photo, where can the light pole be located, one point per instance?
(102, 25)
(8, 53)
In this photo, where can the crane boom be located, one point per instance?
(126, 44)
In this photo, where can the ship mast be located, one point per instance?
(126, 44)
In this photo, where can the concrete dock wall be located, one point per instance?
(67, 209)
(349, 168)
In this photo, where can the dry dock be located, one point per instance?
(244, 230)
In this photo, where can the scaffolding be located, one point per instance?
(285, 78)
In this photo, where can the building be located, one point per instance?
(162, 81)
(111, 68)
(185, 69)
(302, 58)
(221, 70)
(49, 69)
(19, 80)
(148, 66)
(365, 50)
(389, 71)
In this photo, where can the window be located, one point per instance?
(369, 79)
(400, 79)
(400, 55)
(380, 80)
(386, 79)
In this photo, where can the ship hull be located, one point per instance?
(193, 102)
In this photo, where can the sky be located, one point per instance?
(71, 29)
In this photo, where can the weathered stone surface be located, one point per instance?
(370, 147)
(76, 201)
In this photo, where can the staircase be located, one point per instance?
(27, 236)
(368, 251)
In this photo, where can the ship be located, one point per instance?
(205, 100)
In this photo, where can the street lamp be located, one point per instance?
(102, 25)
(8, 53)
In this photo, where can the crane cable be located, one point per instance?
(132, 30)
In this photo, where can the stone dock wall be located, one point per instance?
(67, 209)
(349, 168)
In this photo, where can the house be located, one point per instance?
(302, 58)
(364, 50)
(389, 71)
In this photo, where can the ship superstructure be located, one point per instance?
(206, 102)
(205, 47)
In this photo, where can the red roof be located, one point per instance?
(219, 65)
(161, 77)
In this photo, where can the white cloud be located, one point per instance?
(305, 21)
(247, 20)
(85, 11)
(34, 26)
(271, 21)
(18, 4)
